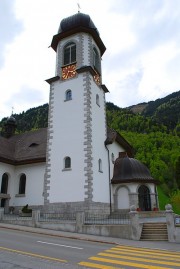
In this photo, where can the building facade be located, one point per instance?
(70, 165)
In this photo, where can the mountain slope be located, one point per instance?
(164, 111)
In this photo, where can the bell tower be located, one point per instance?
(77, 161)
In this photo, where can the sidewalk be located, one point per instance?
(101, 239)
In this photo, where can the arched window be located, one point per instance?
(22, 184)
(68, 95)
(96, 59)
(144, 198)
(97, 100)
(69, 53)
(100, 165)
(4, 183)
(67, 162)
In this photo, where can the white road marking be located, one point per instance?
(54, 244)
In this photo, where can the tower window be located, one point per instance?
(100, 165)
(22, 184)
(96, 61)
(97, 100)
(69, 53)
(67, 162)
(68, 95)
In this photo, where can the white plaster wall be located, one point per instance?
(86, 49)
(123, 198)
(95, 45)
(100, 180)
(74, 38)
(34, 183)
(68, 135)
(133, 187)
(86, 52)
(123, 190)
(65, 40)
(149, 185)
(114, 148)
(87, 56)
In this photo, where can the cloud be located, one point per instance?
(10, 26)
(141, 63)
(126, 88)
(155, 50)
(20, 100)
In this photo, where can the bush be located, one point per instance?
(25, 209)
(175, 201)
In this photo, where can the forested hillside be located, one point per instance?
(32, 119)
(152, 128)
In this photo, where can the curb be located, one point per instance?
(55, 233)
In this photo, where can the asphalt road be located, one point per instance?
(29, 250)
(26, 250)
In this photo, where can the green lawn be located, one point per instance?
(164, 200)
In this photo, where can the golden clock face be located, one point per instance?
(69, 71)
(97, 78)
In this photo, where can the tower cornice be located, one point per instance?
(86, 68)
(53, 79)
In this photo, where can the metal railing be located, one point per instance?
(106, 219)
(57, 217)
(152, 216)
(14, 217)
(10, 216)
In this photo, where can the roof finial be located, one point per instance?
(78, 7)
(12, 110)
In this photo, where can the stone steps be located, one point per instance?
(154, 232)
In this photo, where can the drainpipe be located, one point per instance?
(109, 180)
(156, 196)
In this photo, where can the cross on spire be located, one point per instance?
(78, 7)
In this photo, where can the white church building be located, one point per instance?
(77, 163)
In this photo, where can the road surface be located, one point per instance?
(25, 250)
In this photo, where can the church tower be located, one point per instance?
(77, 175)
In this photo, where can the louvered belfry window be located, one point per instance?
(70, 53)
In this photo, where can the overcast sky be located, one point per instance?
(141, 63)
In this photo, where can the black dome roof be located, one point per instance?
(74, 24)
(130, 170)
(11, 120)
(76, 20)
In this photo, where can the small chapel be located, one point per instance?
(78, 163)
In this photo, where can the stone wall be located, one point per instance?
(73, 207)
(132, 230)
